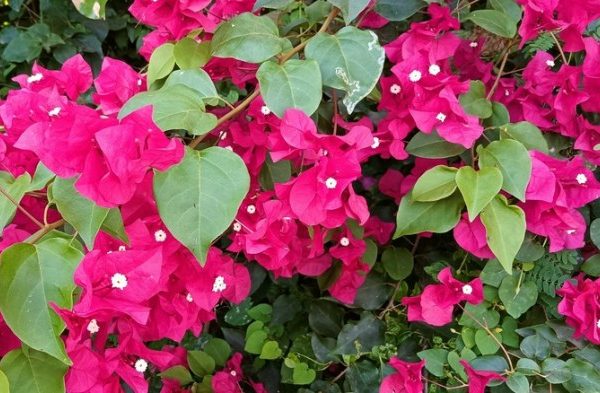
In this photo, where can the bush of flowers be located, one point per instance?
(307, 196)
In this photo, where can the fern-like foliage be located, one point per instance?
(552, 270)
(544, 42)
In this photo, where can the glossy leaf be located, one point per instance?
(435, 184)
(30, 371)
(432, 146)
(438, 217)
(199, 198)
(31, 277)
(478, 188)
(295, 84)
(247, 37)
(505, 227)
(512, 158)
(395, 10)
(161, 62)
(351, 60)
(495, 22)
(517, 297)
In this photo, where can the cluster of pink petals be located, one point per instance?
(407, 377)
(435, 305)
(580, 307)
(109, 157)
(478, 379)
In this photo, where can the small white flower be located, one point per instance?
(598, 324)
(395, 89)
(219, 284)
(189, 297)
(375, 143)
(55, 111)
(467, 289)
(121, 248)
(251, 209)
(441, 117)
(35, 78)
(160, 236)
(550, 63)
(223, 135)
(265, 110)
(119, 281)
(415, 76)
(570, 231)
(93, 327)
(581, 178)
(228, 148)
(233, 373)
(237, 226)
(330, 183)
(434, 69)
(506, 92)
(141, 366)
(344, 242)
(473, 44)
(139, 81)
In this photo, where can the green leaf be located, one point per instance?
(174, 107)
(197, 80)
(325, 318)
(351, 60)
(199, 198)
(485, 343)
(478, 188)
(397, 262)
(23, 47)
(274, 172)
(528, 367)
(32, 276)
(261, 312)
(435, 359)
(509, 8)
(535, 346)
(16, 188)
(512, 158)
(517, 299)
(93, 9)
(161, 62)
(591, 267)
(432, 146)
(493, 273)
(490, 363)
(41, 177)
(495, 22)
(255, 342)
(479, 313)
(247, 37)
(270, 350)
(273, 4)
(200, 363)
(113, 225)
(518, 383)
(505, 227)
(585, 377)
(219, 350)
(4, 385)
(30, 371)
(474, 102)
(499, 117)
(555, 371)
(83, 214)
(295, 84)
(179, 374)
(438, 217)
(373, 293)
(435, 184)
(595, 232)
(302, 375)
(363, 376)
(396, 11)
(190, 55)
(350, 8)
(528, 134)
(367, 333)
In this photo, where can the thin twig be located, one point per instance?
(21, 208)
(500, 71)
(560, 49)
(45, 230)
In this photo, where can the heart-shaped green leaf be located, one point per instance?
(302, 375)
(435, 184)
(198, 198)
(478, 188)
(270, 350)
(517, 299)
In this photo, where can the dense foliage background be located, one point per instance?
(300, 196)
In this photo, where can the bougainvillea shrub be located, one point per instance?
(307, 196)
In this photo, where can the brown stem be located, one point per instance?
(560, 49)
(284, 57)
(43, 231)
(500, 71)
(21, 208)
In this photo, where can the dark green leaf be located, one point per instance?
(219, 350)
(495, 22)
(397, 262)
(363, 376)
(179, 374)
(555, 371)
(350, 8)
(535, 346)
(367, 333)
(591, 267)
(435, 359)
(395, 10)
(273, 4)
(474, 102)
(432, 146)
(485, 343)
(325, 318)
(517, 299)
(200, 363)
